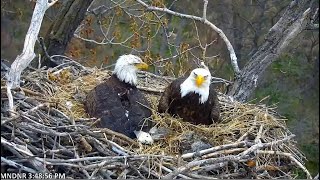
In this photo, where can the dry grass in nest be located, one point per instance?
(252, 141)
(66, 93)
(237, 118)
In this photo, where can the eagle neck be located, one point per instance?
(188, 86)
(126, 74)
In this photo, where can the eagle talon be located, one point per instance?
(143, 137)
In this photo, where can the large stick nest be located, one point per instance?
(49, 131)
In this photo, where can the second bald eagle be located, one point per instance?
(192, 98)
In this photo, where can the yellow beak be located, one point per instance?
(142, 66)
(199, 80)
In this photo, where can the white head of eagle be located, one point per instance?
(198, 82)
(127, 66)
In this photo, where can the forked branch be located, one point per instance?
(233, 56)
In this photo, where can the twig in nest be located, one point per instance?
(101, 147)
(235, 158)
(17, 165)
(249, 131)
(117, 148)
(150, 171)
(24, 150)
(81, 165)
(95, 122)
(169, 171)
(136, 170)
(70, 62)
(223, 152)
(150, 89)
(27, 91)
(264, 145)
(49, 132)
(113, 133)
(212, 167)
(290, 157)
(259, 135)
(213, 149)
(97, 169)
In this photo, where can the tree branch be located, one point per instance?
(289, 156)
(205, 6)
(235, 158)
(233, 57)
(293, 21)
(27, 55)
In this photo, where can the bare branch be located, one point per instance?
(205, 6)
(52, 3)
(235, 158)
(233, 57)
(17, 165)
(213, 149)
(290, 156)
(27, 55)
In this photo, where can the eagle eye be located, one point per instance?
(206, 76)
(195, 74)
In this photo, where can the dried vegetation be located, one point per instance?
(50, 132)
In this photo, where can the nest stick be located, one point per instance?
(213, 149)
(289, 156)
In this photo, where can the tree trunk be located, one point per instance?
(293, 21)
(62, 29)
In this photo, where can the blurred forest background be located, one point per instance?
(291, 83)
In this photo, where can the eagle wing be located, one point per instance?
(164, 101)
(100, 100)
(171, 91)
(139, 110)
(117, 107)
(213, 98)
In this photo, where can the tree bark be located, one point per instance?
(62, 29)
(27, 55)
(293, 21)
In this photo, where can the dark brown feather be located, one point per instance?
(189, 107)
(112, 100)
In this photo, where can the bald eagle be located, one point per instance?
(192, 98)
(118, 103)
